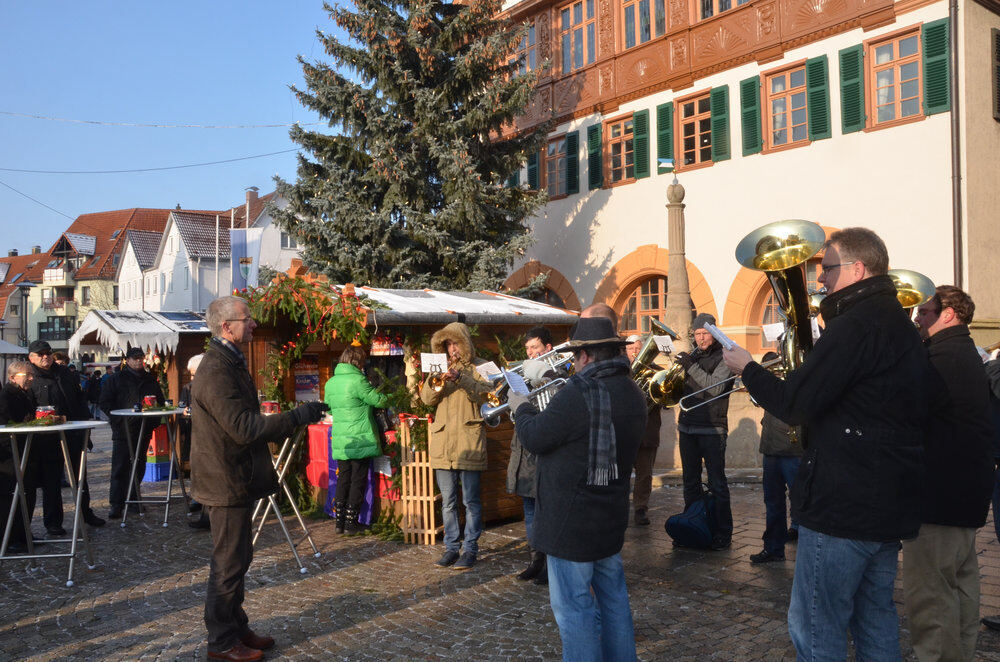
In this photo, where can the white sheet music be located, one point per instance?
(723, 339)
(430, 362)
(516, 383)
(487, 370)
(664, 344)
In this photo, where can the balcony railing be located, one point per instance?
(53, 303)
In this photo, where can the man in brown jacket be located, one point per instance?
(457, 445)
(230, 469)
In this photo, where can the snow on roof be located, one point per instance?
(116, 330)
(441, 307)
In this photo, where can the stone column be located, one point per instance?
(680, 308)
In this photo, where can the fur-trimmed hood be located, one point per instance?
(459, 334)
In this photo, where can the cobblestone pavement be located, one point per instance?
(369, 600)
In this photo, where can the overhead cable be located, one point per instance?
(117, 172)
(158, 126)
(39, 202)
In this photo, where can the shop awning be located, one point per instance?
(116, 330)
(442, 307)
(10, 349)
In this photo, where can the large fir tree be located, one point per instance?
(410, 187)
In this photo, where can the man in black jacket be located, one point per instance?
(940, 567)
(54, 385)
(124, 389)
(230, 469)
(17, 405)
(861, 393)
(702, 431)
(585, 442)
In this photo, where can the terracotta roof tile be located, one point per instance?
(20, 270)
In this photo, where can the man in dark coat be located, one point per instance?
(231, 468)
(54, 385)
(646, 457)
(861, 392)
(521, 466)
(782, 455)
(586, 442)
(940, 566)
(993, 376)
(17, 405)
(124, 389)
(703, 429)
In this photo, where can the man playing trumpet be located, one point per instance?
(457, 443)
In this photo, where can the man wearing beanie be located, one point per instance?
(702, 430)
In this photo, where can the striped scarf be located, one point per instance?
(603, 452)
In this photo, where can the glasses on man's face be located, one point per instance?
(241, 319)
(831, 267)
(22, 374)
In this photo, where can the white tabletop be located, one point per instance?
(130, 412)
(69, 425)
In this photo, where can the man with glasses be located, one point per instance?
(861, 395)
(231, 468)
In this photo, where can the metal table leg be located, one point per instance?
(20, 498)
(76, 483)
(134, 454)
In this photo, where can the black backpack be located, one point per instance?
(695, 527)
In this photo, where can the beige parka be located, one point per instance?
(457, 437)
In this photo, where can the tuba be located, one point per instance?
(912, 287)
(663, 386)
(780, 250)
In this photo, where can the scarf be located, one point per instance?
(603, 451)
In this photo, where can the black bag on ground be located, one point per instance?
(695, 527)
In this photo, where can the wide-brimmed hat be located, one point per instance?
(592, 331)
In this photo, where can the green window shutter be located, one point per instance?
(937, 83)
(594, 177)
(533, 171)
(664, 136)
(995, 35)
(818, 98)
(573, 162)
(719, 99)
(640, 142)
(852, 89)
(750, 115)
(515, 179)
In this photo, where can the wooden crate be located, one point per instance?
(419, 503)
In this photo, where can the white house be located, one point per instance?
(278, 248)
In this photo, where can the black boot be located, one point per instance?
(352, 525)
(537, 565)
(340, 510)
(542, 578)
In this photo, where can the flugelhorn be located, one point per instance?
(436, 380)
(491, 414)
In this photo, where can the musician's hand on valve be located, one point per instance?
(737, 359)
(684, 359)
(451, 375)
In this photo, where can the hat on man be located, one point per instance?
(701, 320)
(135, 353)
(592, 331)
(39, 347)
(633, 338)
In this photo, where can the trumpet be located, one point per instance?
(766, 364)
(436, 380)
(491, 413)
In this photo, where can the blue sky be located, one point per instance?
(180, 62)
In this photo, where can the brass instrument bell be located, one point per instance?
(436, 380)
(912, 287)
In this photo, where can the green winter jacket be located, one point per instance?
(351, 398)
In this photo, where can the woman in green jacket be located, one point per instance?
(353, 437)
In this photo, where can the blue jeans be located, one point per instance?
(590, 603)
(843, 584)
(996, 500)
(529, 515)
(779, 474)
(448, 480)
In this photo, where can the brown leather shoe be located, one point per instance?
(254, 640)
(238, 653)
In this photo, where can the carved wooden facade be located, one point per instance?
(760, 30)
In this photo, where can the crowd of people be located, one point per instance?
(884, 439)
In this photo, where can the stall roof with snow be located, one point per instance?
(442, 307)
(116, 330)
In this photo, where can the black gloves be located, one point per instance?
(310, 412)
(684, 359)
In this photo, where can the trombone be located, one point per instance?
(724, 394)
(491, 413)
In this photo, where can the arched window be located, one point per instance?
(648, 299)
(770, 313)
